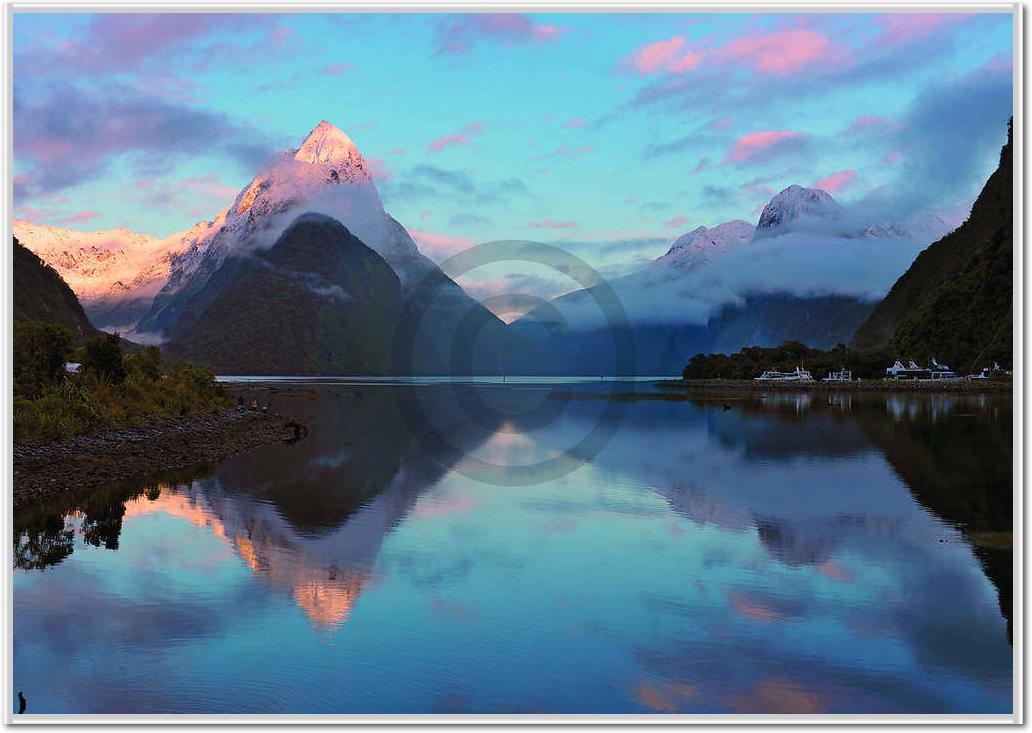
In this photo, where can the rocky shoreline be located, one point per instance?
(82, 463)
(871, 385)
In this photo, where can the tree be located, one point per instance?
(147, 363)
(40, 353)
(103, 358)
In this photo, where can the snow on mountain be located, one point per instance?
(103, 268)
(331, 145)
(326, 174)
(926, 226)
(793, 204)
(813, 209)
(702, 245)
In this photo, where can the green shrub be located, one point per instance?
(102, 357)
(93, 399)
(40, 353)
(146, 364)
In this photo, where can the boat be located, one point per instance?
(844, 375)
(984, 374)
(942, 372)
(799, 375)
(912, 371)
(936, 372)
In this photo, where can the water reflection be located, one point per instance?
(729, 553)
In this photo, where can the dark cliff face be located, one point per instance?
(955, 302)
(41, 295)
(319, 301)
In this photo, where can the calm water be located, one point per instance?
(452, 549)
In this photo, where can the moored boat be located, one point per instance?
(844, 375)
(799, 375)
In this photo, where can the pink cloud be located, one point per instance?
(461, 33)
(545, 32)
(865, 122)
(751, 145)
(899, 28)
(378, 167)
(397, 151)
(722, 124)
(837, 181)
(575, 122)
(80, 217)
(552, 224)
(280, 36)
(439, 247)
(462, 137)
(425, 214)
(337, 69)
(119, 41)
(193, 195)
(677, 222)
(780, 53)
(664, 56)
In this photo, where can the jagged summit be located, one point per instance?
(794, 203)
(327, 174)
(703, 244)
(330, 145)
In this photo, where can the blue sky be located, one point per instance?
(610, 133)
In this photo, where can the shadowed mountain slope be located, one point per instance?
(956, 300)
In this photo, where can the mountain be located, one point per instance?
(326, 174)
(816, 211)
(441, 329)
(680, 305)
(41, 295)
(114, 273)
(703, 245)
(319, 301)
(706, 294)
(793, 204)
(955, 302)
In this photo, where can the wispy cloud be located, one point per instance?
(462, 137)
(457, 35)
(552, 224)
(763, 144)
(66, 137)
(430, 182)
(837, 181)
(777, 53)
(668, 55)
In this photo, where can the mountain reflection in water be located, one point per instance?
(794, 553)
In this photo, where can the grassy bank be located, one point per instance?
(111, 389)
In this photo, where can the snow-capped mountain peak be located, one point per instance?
(326, 174)
(794, 203)
(703, 244)
(329, 145)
